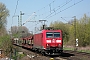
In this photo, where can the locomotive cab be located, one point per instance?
(54, 42)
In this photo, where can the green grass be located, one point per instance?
(18, 56)
(68, 48)
(87, 51)
(21, 55)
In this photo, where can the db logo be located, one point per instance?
(53, 41)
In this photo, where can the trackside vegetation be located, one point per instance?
(82, 31)
(5, 42)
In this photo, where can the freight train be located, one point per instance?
(47, 41)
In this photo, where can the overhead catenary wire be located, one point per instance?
(50, 15)
(29, 18)
(55, 9)
(59, 8)
(45, 6)
(72, 17)
(64, 19)
(48, 5)
(36, 11)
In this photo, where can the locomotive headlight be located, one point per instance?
(58, 41)
(47, 44)
(59, 45)
(48, 41)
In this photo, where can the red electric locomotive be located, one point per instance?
(48, 42)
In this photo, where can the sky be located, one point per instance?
(50, 10)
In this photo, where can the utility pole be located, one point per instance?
(21, 17)
(44, 23)
(21, 22)
(11, 37)
(75, 32)
(18, 20)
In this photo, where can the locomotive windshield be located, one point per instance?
(53, 34)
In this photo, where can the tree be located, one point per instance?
(19, 31)
(84, 30)
(14, 29)
(4, 12)
(24, 31)
(5, 43)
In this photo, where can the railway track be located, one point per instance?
(67, 55)
(75, 55)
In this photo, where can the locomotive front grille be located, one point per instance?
(54, 49)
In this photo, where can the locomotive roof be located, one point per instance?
(46, 30)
